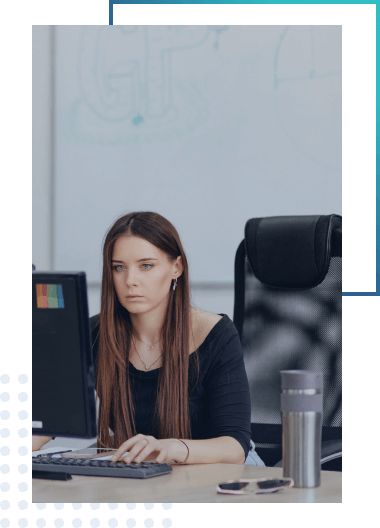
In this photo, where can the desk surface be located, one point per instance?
(193, 483)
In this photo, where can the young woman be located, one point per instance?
(171, 381)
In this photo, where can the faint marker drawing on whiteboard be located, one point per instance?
(129, 91)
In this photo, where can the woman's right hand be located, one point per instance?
(39, 441)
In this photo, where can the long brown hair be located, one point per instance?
(115, 330)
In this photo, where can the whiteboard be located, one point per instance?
(207, 125)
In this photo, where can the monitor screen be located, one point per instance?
(63, 372)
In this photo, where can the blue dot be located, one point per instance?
(22, 397)
(149, 506)
(77, 523)
(4, 523)
(131, 523)
(4, 415)
(23, 378)
(167, 506)
(5, 486)
(149, 523)
(23, 486)
(5, 451)
(5, 378)
(23, 523)
(112, 506)
(77, 505)
(166, 523)
(137, 120)
(94, 523)
(59, 523)
(23, 505)
(112, 523)
(4, 396)
(23, 450)
(23, 415)
(4, 505)
(40, 523)
(95, 506)
(59, 505)
(23, 432)
(41, 505)
(4, 433)
(23, 468)
(131, 506)
(5, 469)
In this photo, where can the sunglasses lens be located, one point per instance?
(233, 486)
(275, 483)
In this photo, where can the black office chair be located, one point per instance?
(288, 306)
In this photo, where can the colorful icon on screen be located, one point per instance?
(49, 296)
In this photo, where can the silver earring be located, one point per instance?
(175, 285)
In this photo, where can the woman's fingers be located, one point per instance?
(133, 445)
(140, 447)
(142, 455)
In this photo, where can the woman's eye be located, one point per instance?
(148, 266)
(120, 266)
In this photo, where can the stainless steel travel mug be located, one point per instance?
(301, 415)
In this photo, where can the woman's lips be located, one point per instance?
(134, 297)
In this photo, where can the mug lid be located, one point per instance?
(301, 379)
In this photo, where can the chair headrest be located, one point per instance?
(292, 251)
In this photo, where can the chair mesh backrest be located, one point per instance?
(293, 329)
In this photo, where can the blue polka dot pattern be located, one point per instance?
(30, 514)
(101, 520)
(82, 521)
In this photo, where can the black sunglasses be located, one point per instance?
(247, 486)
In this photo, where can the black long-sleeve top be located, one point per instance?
(219, 403)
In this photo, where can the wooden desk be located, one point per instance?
(191, 484)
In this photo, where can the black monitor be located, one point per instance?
(63, 401)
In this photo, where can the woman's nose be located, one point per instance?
(130, 278)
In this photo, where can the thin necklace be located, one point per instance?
(149, 347)
(146, 366)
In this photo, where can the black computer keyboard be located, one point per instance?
(99, 468)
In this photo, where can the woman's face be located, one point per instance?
(142, 274)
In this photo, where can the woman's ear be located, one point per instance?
(178, 268)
